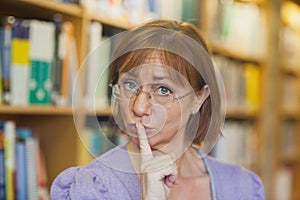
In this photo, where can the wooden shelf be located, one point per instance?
(219, 49)
(39, 8)
(241, 113)
(291, 114)
(291, 70)
(122, 24)
(258, 2)
(35, 110)
(48, 110)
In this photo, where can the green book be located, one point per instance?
(40, 82)
(191, 11)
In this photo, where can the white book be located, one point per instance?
(20, 64)
(93, 62)
(42, 36)
(101, 90)
(41, 54)
(31, 161)
(283, 185)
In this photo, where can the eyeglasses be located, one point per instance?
(160, 95)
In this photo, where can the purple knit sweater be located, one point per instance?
(99, 181)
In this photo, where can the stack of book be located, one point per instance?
(22, 170)
(38, 61)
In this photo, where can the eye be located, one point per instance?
(163, 91)
(130, 85)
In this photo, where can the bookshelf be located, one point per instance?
(55, 125)
(277, 119)
(233, 57)
(216, 22)
(289, 140)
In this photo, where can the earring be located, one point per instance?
(193, 112)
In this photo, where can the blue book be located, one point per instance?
(2, 163)
(21, 170)
(5, 50)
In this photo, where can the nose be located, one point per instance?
(142, 105)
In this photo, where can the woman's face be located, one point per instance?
(163, 118)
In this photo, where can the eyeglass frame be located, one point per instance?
(138, 91)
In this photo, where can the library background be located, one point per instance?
(255, 45)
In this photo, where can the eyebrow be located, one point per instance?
(159, 78)
(155, 77)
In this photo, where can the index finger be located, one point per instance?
(145, 149)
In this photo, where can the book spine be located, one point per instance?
(31, 162)
(5, 40)
(21, 170)
(102, 89)
(41, 57)
(20, 63)
(9, 146)
(2, 162)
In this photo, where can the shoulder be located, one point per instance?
(96, 179)
(235, 180)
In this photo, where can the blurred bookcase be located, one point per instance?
(264, 34)
(254, 46)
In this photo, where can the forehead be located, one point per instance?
(153, 63)
(155, 72)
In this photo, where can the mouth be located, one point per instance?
(149, 131)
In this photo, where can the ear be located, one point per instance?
(200, 98)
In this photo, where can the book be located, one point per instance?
(68, 54)
(2, 162)
(20, 62)
(234, 25)
(5, 50)
(43, 193)
(21, 165)
(101, 89)
(283, 183)
(41, 60)
(291, 94)
(238, 145)
(252, 85)
(57, 64)
(10, 165)
(93, 64)
(31, 166)
(190, 11)
(241, 81)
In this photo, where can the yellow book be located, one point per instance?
(252, 85)
(9, 154)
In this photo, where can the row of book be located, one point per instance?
(22, 170)
(96, 140)
(289, 146)
(241, 81)
(38, 61)
(291, 93)
(237, 26)
(138, 11)
(284, 182)
(290, 34)
(70, 1)
(238, 145)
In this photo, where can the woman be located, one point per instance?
(166, 97)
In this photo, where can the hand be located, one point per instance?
(159, 173)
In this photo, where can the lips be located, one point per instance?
(148, 130)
